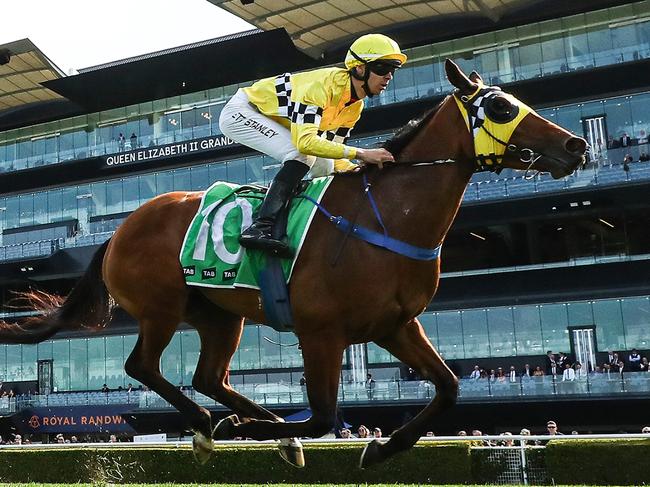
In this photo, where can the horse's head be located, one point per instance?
(508, 133)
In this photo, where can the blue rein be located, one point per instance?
(376, 238)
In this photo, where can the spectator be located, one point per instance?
(121, 141)
(512, 375)
(363, 432)
(551, 428)
(129, 387)
(574, 432)
(346, 433)
(493, 376)
(461, 433)
(568, 374)
(625, 140)
(507, 441)
(18, 440)
(430, 434)
(645, 430)
(134, 141)
(611, 143)
(634, 361)
(527, 372)
(477, 433)
(370, 386)
(611, 359)
(476, 373)
(303, 380)
(73, 439)
(644, 157)
(59, 438)
(643, 366)
(580, 373)
(112, 439)
(538, 372)
(376, 432)
(501, 376)
(105, 388)
(551, 364)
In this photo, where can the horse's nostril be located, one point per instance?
(576, 145)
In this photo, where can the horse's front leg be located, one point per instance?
(410, 345)
(322, 355)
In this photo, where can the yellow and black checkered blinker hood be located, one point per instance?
(491, 117)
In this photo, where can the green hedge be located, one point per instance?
(599, 462)
(426, 464)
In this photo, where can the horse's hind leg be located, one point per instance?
(322, 355)
(220, 333)
(410, 345)
(144, 365)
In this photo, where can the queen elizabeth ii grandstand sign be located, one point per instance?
(169, 150)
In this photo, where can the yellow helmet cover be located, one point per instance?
(491, 135)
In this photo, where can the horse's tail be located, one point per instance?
(88, 305)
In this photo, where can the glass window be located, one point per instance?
(29, 359)
(114, 197)
(636, 320)
(291, 355)
(45, 350)
(377, 355)
(269, 351)
(61, 365)
(619, 116)
(114, 361)
(475, 333)
(429, 324)
(96, 363)
(191, 346)
(3, 362)
(528, 330)
(554, 327)
(580, 314)
(249, 347)
(170, 363)
(14, 363)
(450, 333)
(79, 364)
(609, 324)
(640, 107)
(131, 193)
(502, 332)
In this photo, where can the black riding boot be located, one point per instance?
(259, 235)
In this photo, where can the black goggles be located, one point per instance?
(381, 68)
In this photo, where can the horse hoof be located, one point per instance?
(225, 428)
(202, 448)
(291, 452)
(371, 455)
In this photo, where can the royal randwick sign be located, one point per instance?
(169, 150)
(83, 419)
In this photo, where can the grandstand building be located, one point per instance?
(531, 264)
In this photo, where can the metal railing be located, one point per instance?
(282, 394)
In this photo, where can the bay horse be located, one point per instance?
(371, 295)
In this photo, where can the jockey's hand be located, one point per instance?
(375, 156)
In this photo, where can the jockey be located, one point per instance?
(303, 121)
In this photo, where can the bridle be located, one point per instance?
(476, 106)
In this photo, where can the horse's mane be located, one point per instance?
(400, 140)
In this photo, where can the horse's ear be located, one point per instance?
(475, 77)
(457, 78)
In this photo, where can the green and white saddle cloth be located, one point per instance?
(211, 255)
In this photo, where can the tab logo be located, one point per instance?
(229, 274)
(210, 273)
(189, 270)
